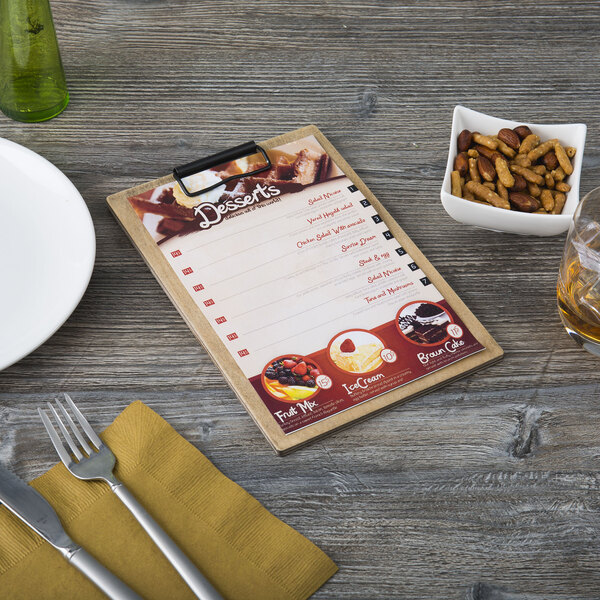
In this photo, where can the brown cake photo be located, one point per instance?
(423, 323)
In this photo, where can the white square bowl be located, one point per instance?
(500, 219)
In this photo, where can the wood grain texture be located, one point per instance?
(486, 490)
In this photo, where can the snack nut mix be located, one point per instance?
(512, 170)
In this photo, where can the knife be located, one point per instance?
(33, 509)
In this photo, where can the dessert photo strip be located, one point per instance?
(316, 306)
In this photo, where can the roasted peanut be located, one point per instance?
(528, 174)
(486, 194)
(505, 148)
(484, 140)
(502, 191)
(563, 160)
(540, 150)
(522, 160)
(504, 174)
(473, 172)
(474, 154)
(559, 203)
(529, 143)
(534, 190)
(547, 200)
(455, 184)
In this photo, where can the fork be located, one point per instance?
(98, 463)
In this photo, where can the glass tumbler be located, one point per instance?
(579, 276)
(32, 79)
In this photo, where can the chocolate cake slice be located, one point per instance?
(308, 166)
(430, 334)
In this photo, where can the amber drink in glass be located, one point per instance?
(579, 277)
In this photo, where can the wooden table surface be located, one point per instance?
(487, 489)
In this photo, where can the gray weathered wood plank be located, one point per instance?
(485, 490)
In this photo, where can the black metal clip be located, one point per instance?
(179, 173)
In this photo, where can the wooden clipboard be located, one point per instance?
(197, 322)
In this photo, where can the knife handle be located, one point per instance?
(201, 587)
(111, 585)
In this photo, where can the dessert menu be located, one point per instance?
(314, 298)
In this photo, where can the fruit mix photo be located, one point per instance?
(291, 378)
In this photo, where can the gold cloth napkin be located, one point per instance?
(245, 551)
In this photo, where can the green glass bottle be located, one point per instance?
(32, 79)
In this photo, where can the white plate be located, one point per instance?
(47, 250)
(512, 221)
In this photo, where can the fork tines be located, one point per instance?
(55, 437)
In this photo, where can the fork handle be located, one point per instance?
(201, 587)
(111, 585)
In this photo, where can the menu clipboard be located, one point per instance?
(313, 302)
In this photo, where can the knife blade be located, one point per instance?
(35, 511)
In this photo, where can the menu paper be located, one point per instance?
(316, 301)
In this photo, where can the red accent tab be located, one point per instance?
(220, 320)
(176, 253)
(243, 352)
(187, 271)
(232, 336)
(198, 288)
(209, 302)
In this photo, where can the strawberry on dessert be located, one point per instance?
(360, 352)
(300, 368)
(347, 346)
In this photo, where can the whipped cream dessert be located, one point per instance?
(198, 182)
